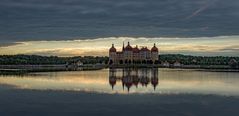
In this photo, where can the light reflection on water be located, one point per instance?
(163, 81)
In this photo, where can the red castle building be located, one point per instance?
(130, 55)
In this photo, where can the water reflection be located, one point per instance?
(124, 81)
(133, 77)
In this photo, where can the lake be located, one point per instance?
(131, 80)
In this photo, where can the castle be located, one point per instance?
(130, 55)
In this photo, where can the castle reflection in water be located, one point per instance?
(129, 77)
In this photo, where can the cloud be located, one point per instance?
(2, 45)
(66, 52)
(233, 48)
(33, 20)
(225, 45)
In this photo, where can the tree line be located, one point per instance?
(170, 58)
(198, 60)
(49, 60)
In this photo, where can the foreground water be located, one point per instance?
(124, 81)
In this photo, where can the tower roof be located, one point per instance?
(154, 49)
(128, 47)
(112, 49)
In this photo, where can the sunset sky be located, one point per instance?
(89, 27)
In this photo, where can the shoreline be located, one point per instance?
(24, 69)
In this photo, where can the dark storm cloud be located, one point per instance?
(23, 20)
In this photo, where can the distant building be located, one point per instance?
(177, 64)
(74, 64)
(79, 63)
(233, 63)
(194, 61)
(166, 64)
(130, 55)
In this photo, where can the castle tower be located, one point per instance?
(136, 56)
(128, 54)
(154, 54)
(112, 55)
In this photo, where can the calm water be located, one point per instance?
(124, 81)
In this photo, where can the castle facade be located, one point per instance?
(133, 55)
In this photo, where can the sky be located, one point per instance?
(89, 27)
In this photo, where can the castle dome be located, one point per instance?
(128, 47)
(154, 49)
(112, 49)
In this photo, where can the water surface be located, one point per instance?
(124, 81)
